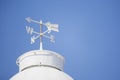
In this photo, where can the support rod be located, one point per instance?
(41, 46)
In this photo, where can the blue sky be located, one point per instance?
(89, 37)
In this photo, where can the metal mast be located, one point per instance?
(41, 46)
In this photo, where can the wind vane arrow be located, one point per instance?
(50, 27)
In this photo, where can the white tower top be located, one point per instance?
(40, 58)
(41, 64)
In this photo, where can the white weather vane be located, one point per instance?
(50, 27)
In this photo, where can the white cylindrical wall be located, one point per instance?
(40, 58)
(40, 65)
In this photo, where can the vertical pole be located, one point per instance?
(41, 46)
